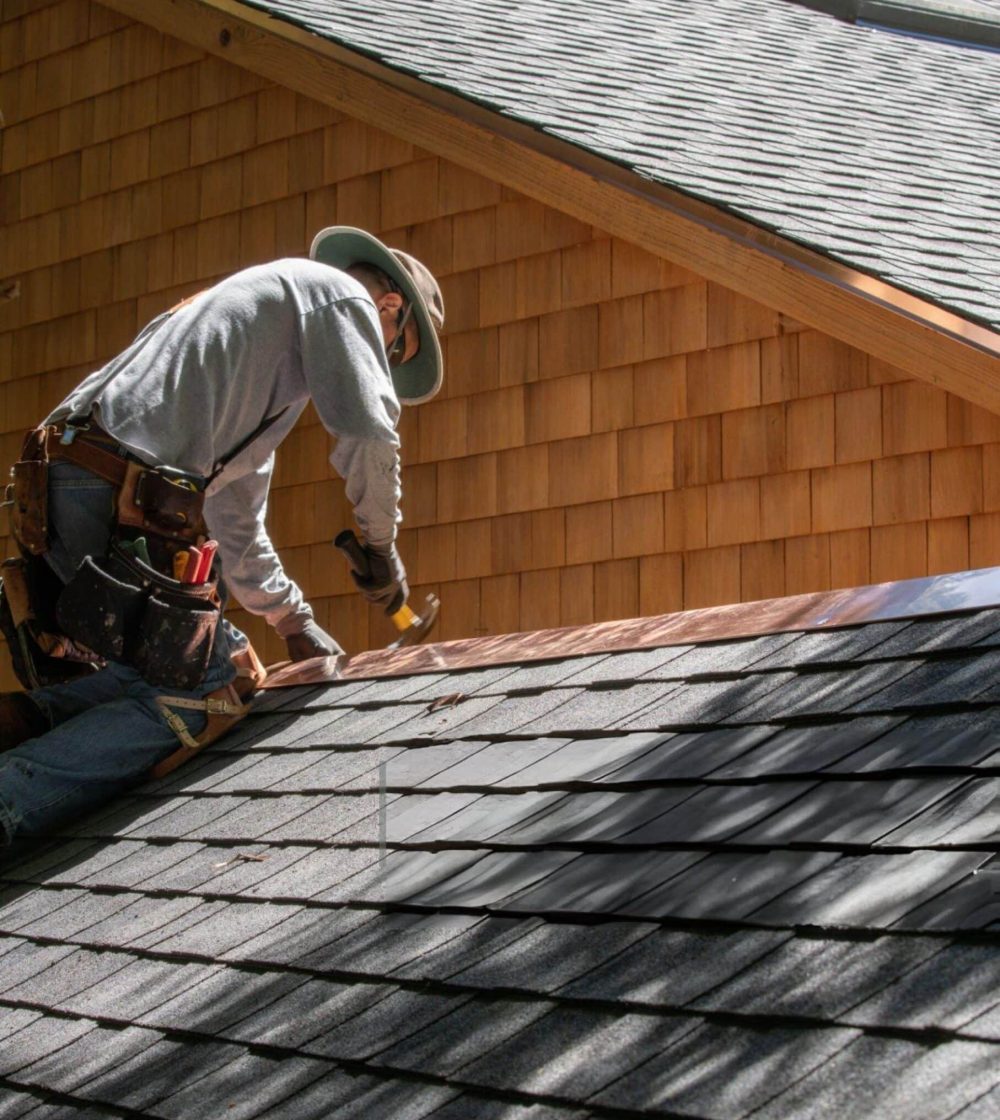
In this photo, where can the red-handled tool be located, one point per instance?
(192, 566)
(208, 550)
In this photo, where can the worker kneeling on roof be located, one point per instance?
(121, 499)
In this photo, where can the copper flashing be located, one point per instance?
(824, 610)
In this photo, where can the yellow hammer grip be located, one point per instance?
(404, 618)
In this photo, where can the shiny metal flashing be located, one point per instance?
(824, 610)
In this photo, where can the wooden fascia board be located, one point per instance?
(912, 334)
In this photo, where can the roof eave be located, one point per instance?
(915, 335)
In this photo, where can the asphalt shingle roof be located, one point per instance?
(879, 150)
(742, 878)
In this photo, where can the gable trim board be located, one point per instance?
(928, 597)
(915, 335)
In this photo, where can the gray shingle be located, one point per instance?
(407, 876)
(416, 765)
(946, 990)
(495, 763)
(607, 884)
(20, 906)
(156, 1073)
(846, 812)
(552, 955)
(938, 682)
(939, 634)
(321, 873)
(486, 882)
(807, 750)
(28, 960)
(226, 927)
(472, 1029)
(604, 816)
(825, 693)
(690, 755)
(380, 1025)
(136, 989)
(308, 1010)
(66, 977)
(506, 714)
(88, 1056)
(731, 886)
(705, 703)
(17, 1103)
(346, 817)
(819, 978)
(725, 1072)
(350, 1096)
(428, 815)
(892, 1079)
(573, 1052)
(43, 1036)
(969, 814)
(488, 936)
(388, 942)
(671, 968)
(221, 998)
(868, 891)
(583, 760)
(713, 814)
(721, 657)
(305, 937)
(240, 1089)
(334, 769)
(826, 647)
(956, 739)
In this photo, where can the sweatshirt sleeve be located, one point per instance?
(348, 378)
(251, 567)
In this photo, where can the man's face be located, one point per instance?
(392, 313)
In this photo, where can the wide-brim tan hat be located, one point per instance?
(419, 378)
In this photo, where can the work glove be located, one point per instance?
(311, 641)
(386, 587)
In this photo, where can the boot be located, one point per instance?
(20, 719)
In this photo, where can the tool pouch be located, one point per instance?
(102, 606)
(150, 501)
(27, 495)
(176, 639)
(39, 653)
(127, 611)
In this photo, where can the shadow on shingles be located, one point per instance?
(538, 1043)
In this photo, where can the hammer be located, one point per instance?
(412, 627)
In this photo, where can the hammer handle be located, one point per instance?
(353, 549)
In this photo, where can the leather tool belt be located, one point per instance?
(114, 607)
(150, 499)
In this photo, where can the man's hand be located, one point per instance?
(311, 641)
(387, 585)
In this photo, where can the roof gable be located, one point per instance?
(878, 151)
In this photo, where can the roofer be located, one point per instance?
(165, 455)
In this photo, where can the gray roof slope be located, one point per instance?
(746, 878)
(878, 150)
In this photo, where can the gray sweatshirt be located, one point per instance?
(197, 385)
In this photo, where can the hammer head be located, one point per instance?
(420, 625)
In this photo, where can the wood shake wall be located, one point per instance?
(616, 436)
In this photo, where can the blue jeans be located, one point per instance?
(107, 729)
